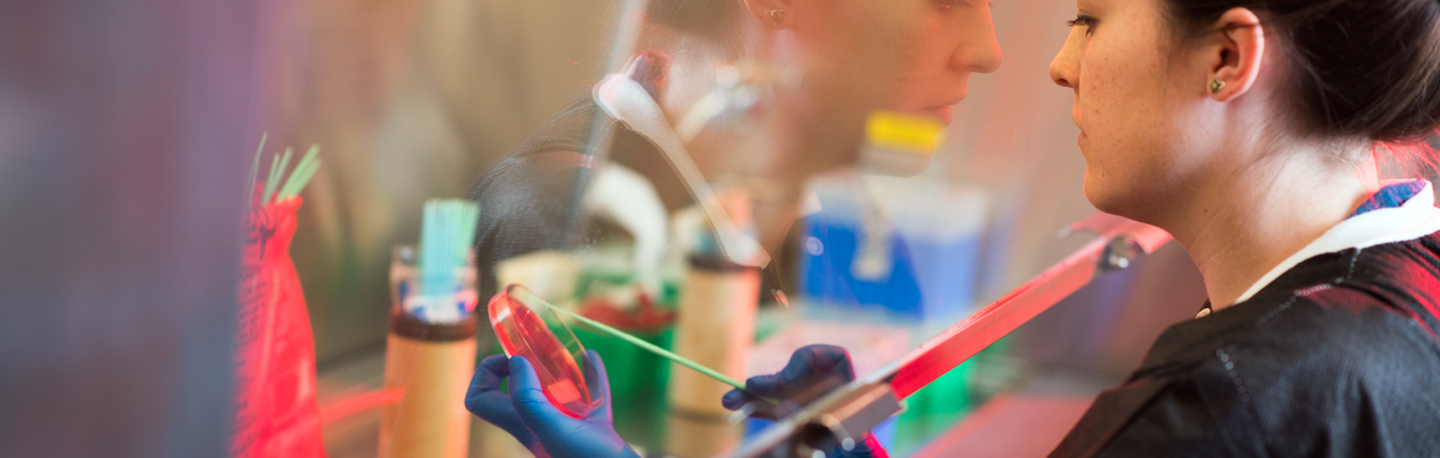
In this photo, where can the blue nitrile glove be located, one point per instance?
(809, 365)
(542, 428)
(485, 400)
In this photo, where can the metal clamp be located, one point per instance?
(1119, 252)
(837, 420)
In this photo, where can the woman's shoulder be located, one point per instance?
(1379, 292)
(1350, 303)
(1347, 337)
(1337, 357)
(1352, 314)
(1341, 370)
(1334, 371)
(1335, 335)
(1314, 339)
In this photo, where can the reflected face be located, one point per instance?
(1135, 102)
(912, 56)
(858, 56)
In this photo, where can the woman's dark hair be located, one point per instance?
(1361, 68)
(711, 19)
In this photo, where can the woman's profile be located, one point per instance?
(1254, 132)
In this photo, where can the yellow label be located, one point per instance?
(910, 133)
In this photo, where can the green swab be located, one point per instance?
(270, 180)
(278, 186)
(284, 165)
(654, 349)
(254, 169)
(304, 170)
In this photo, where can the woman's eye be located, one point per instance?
(947, 5)
(1081, 20)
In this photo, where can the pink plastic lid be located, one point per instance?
(526, 327)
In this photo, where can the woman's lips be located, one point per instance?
(945, 112)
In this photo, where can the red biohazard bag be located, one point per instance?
(277, 415)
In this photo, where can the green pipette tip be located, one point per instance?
(254, 170)
(653, 349)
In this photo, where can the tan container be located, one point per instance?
(697, 437)
(715, 326)
(433, 364)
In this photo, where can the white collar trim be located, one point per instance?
(1416, 218)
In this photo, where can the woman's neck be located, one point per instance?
(724, 156)
(1239, 227)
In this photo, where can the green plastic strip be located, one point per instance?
(298, 179)
(254, 171)
(653, 349)
(270, 180)
(304, 170)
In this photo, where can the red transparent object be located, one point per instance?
(523, 323)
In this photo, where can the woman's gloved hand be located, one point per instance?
(809, 366)
(542, 428)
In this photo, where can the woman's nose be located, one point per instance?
(989, 57)
(1064, 68)
(980, 55)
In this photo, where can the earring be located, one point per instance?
(1216, 86)
(778, 16)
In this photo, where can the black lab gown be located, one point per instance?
(1337, 357)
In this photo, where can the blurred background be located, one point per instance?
(126, 129)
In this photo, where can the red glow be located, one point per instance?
(359, 403)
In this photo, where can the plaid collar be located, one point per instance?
(1390, 196)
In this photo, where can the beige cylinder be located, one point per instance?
(430, 421)
(715, 326)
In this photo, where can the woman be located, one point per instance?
(1254, 132)
(829, 64)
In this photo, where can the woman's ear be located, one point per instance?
(1236, 55)
(773, 14)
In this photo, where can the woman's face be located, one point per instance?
(859, 56)
(912, 56)
(1137, 104)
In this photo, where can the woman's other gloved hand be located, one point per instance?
(809, 366)
(542, 428)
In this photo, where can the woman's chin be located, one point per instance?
(1143, 205)
(1101, 197)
